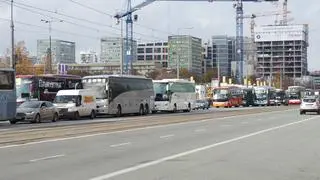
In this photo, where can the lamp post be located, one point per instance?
(50, 50)
(13, 59)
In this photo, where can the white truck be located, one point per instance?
(75, 103)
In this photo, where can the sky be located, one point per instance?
(155, 21)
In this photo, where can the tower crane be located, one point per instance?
(239, 28)
(252, 17)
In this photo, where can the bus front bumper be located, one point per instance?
(221, 104)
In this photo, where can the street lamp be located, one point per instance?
(180, 49)
(49, 50)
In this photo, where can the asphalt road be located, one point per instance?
(272, 145)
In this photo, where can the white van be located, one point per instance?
(75, 103)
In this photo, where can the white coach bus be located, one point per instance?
(118, 95)
(174, 95)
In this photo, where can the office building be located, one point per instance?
(63, 52)
(112, 47)
(88, 57)
(207, 62)
(223, 54)
(185, 52)
(282, 49)
(157, 52)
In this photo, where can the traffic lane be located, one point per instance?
(42, 134)
(290, 153)
(94, 156)
(6, 126)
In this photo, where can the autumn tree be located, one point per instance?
(154, 74)
(23, 63)
(184, 73)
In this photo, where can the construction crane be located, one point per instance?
(252, 17)
(239, 28)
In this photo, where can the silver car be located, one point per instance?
(36, 112)
(310, 104)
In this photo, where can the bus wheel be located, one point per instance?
(147, 110)
(92, 114)
(141, 110)
(189, 108)
(174, 108)
(119, 111)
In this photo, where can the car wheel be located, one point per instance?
(302, 112)
(37, 119)
(92, 114)
(55, 117)
(13, 121)
(76, 116)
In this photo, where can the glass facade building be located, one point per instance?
(63, 52)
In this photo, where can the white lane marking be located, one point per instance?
(259, 119)
(199, 130)
(137, 129)
(47, 158)
(121, 144)
(193, 151)
(166, 136)
(245, 122)
(4, 130)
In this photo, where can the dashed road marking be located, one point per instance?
(121, 144)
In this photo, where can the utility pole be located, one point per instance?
(13, 59)
(49, 57)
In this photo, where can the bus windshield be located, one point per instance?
(98, 86)
(220, 94)
(24, 87)
(6, 80)
(161, 91)
(160, 88)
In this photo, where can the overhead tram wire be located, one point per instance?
(66, 21)
(76, 18)
(112, 16)
(56, 30)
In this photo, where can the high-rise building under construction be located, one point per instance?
(281, 49)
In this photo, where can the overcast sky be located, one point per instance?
(206, 18)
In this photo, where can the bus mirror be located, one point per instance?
(107, 87)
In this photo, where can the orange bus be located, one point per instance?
(230, 96)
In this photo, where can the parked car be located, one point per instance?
(202, 104)
(310, 104)
(36, 112)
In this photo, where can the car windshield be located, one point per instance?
(309, 100)
(30, 104)
(65, 99)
